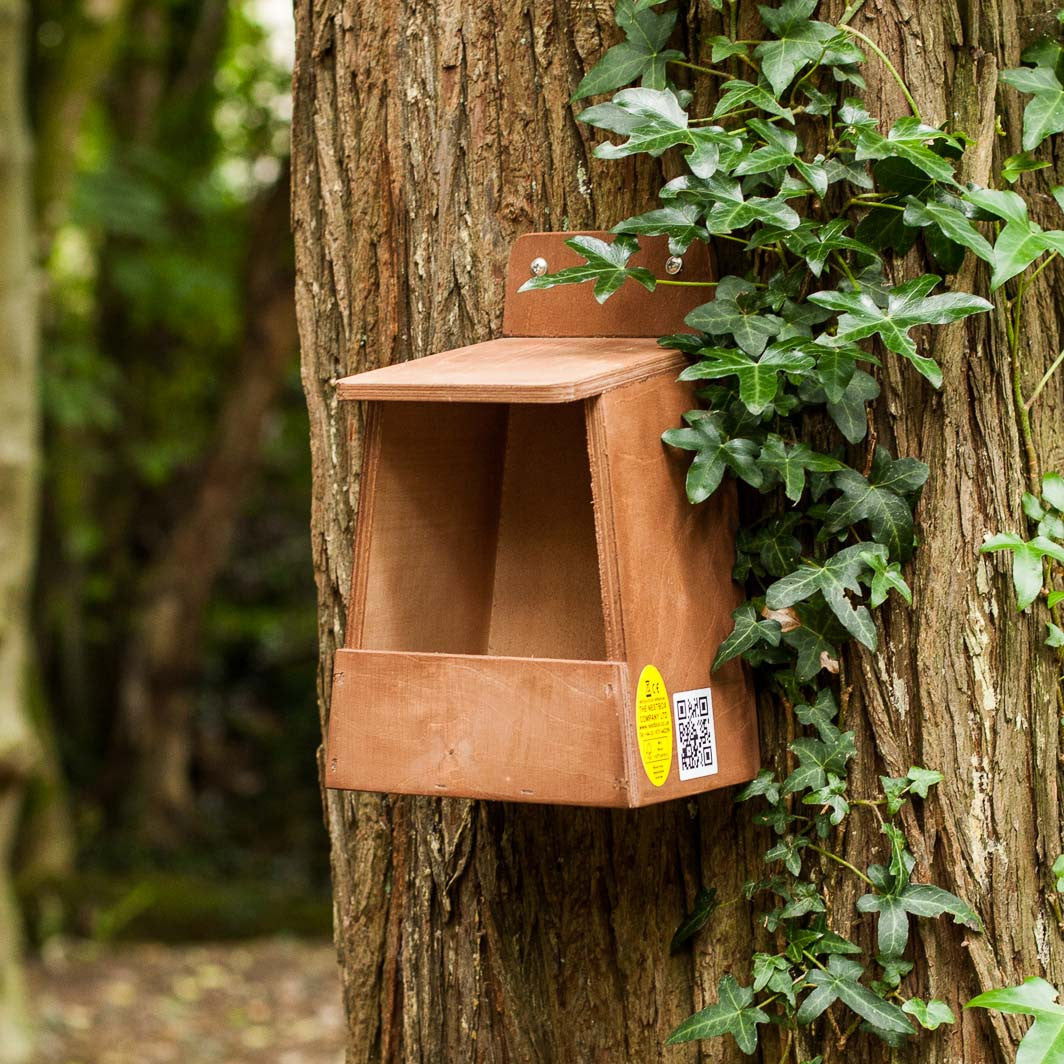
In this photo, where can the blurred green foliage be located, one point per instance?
(144, 312)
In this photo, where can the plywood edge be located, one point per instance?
(356, 607)
(515, 729)
(517, 370)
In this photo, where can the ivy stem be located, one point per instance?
(842, 861)
(688, 284)
(703, 69)
(1023, 416)
(851, 9)
(1044, 381)
(872, 46)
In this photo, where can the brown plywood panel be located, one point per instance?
(506, 728)
(547, 602)
(429, 552)
(673, 564)
(516, 370)
(572, 310)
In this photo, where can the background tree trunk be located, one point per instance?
(426, 137)
(19, 451)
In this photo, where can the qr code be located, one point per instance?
(696, 740)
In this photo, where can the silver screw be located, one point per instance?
(673, 264)
(538, 267)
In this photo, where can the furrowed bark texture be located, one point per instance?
(426, 137)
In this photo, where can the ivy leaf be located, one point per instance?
(1020, 240)
(704, 907)
(764, 784)
(1053, 490)
(908, 305)
(951, 223)
(734, 1013)
(892, 927)
(1026, 562)
(680, 224)
(736, 312)
(724, 48)
(840, 983)
(816, 641)
(799, 41)
(1044, 115)
(833, 579)
(728, 216)
(1055, 638)
(652, 119)
(931, 1015)
(758, 379)
(1022, 163)
(879, 502)
(849, 412)
(714, 453)
(607, 266)
(907, 139)
(789, 463)
(737, 94)
(641, 54)
(748, 630)
(1044, 1041)
(923, 779)
(886, 578)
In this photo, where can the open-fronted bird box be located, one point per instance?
(535, 604)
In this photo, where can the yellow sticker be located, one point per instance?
(653, 723)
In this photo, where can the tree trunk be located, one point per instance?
(159, 672)
(19, 450)
(426, 137)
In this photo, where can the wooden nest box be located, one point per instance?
(535, 604)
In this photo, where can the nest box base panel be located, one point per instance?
(534, 604)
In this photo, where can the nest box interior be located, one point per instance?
(524, 551)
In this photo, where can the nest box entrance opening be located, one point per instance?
(481, 533)
(535, 605)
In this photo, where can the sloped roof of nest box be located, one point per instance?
(560, 345)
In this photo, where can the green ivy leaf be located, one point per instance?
(931, 1015)
(1026, 562)
(748, 630)
(735, 95)
(849, 412)
(1044, 115)
(1044, 1041)
(704, 907)
(799, 41)
(642, 54)
(764, 785)
(908, 305)
(886, 578)
(736, 312)
(840, 983)
(758, 378)
(1022, 163)
(681, 224)
(833, 579)
(907, 139)
(1020, 240)
(816, 641)
(923, 779)
(607, 266)
(951, 223)
(714, 453)
(734, 1013)
(879, 502)
(788, 463)
(1055, 638)
(1053, 490)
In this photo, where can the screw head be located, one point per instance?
(538, 266)
(673, 264)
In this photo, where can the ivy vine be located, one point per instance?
(812, 203)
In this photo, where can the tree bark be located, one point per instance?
(160, 667)
(19, 452)
(425, 138)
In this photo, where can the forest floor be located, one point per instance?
(269, 1000)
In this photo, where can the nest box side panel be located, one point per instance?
(673, 583)
(515, 729)
(547, 602)
(572, 310)
(425, 557)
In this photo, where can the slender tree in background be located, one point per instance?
(425, 138)
(19, 456)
